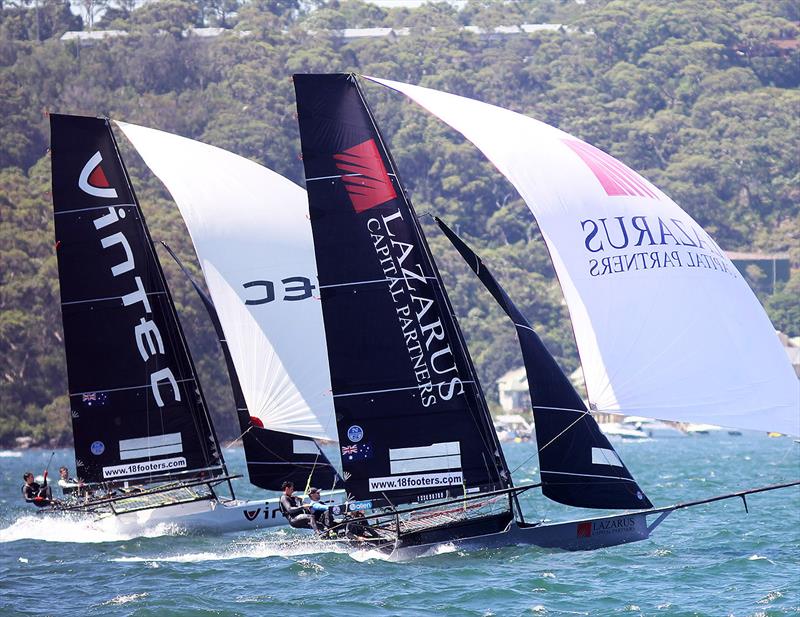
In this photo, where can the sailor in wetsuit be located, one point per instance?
(321, 512)
(33, 492)
(293, 509)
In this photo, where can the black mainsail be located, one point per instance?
(272, 456)
(578, 465)
(137, 408)
(412, 420)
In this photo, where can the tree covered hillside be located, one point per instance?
(700, 96)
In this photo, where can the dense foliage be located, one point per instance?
(698, 95)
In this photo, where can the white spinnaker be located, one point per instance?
(665, 326)
(249, 225)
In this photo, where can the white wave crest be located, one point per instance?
(248, 550)
(80, 530)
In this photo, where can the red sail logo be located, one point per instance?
(92, 179)
(366, 181)
(616, 178)
(585, 530)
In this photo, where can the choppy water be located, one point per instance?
(712, 560)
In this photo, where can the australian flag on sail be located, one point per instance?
(579, 467)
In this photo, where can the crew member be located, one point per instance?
(321, 512)
(33, 492)
(68, 485)
(293, 509)
(358, 527)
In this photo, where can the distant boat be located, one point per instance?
(418, 446)
(622, 431)
(653, 428)
(702, 429)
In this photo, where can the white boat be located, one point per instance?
(653, 428)
(619, 430)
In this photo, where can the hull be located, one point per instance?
(579, 535)
(208, 515)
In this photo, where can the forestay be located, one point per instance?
(137, 408)
(252, 235)
(665, 325)
(412, 419)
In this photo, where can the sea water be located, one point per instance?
(711, 560)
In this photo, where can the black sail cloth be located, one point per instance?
(411, 417)
(578, 465)
(137, 408)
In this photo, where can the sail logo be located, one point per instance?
(426, 340)
(251, 515)
(633, 243)
(92, 179)
(615, 178)
(367, 182)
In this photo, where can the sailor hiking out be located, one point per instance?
(35, 493)
(295, 511)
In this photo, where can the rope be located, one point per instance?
(239, 437)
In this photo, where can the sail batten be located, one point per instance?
(665, 325)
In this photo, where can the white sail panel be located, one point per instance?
(665, 326)
(251, 232)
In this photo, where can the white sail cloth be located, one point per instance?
(252, 235)
(665, 325)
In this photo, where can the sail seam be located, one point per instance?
(345, 176)
(151, 293)
(381, 391)
(126, 388)
(589, 475)
(94, 208)
(429, 278)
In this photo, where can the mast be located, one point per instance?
(456, 330)
(137, 408)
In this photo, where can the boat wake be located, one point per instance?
(78, 530)
(271, 547)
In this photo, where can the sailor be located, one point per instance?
(35, 493)
(321, 512)
(68, 485)
(358, 527)
(293, 509)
